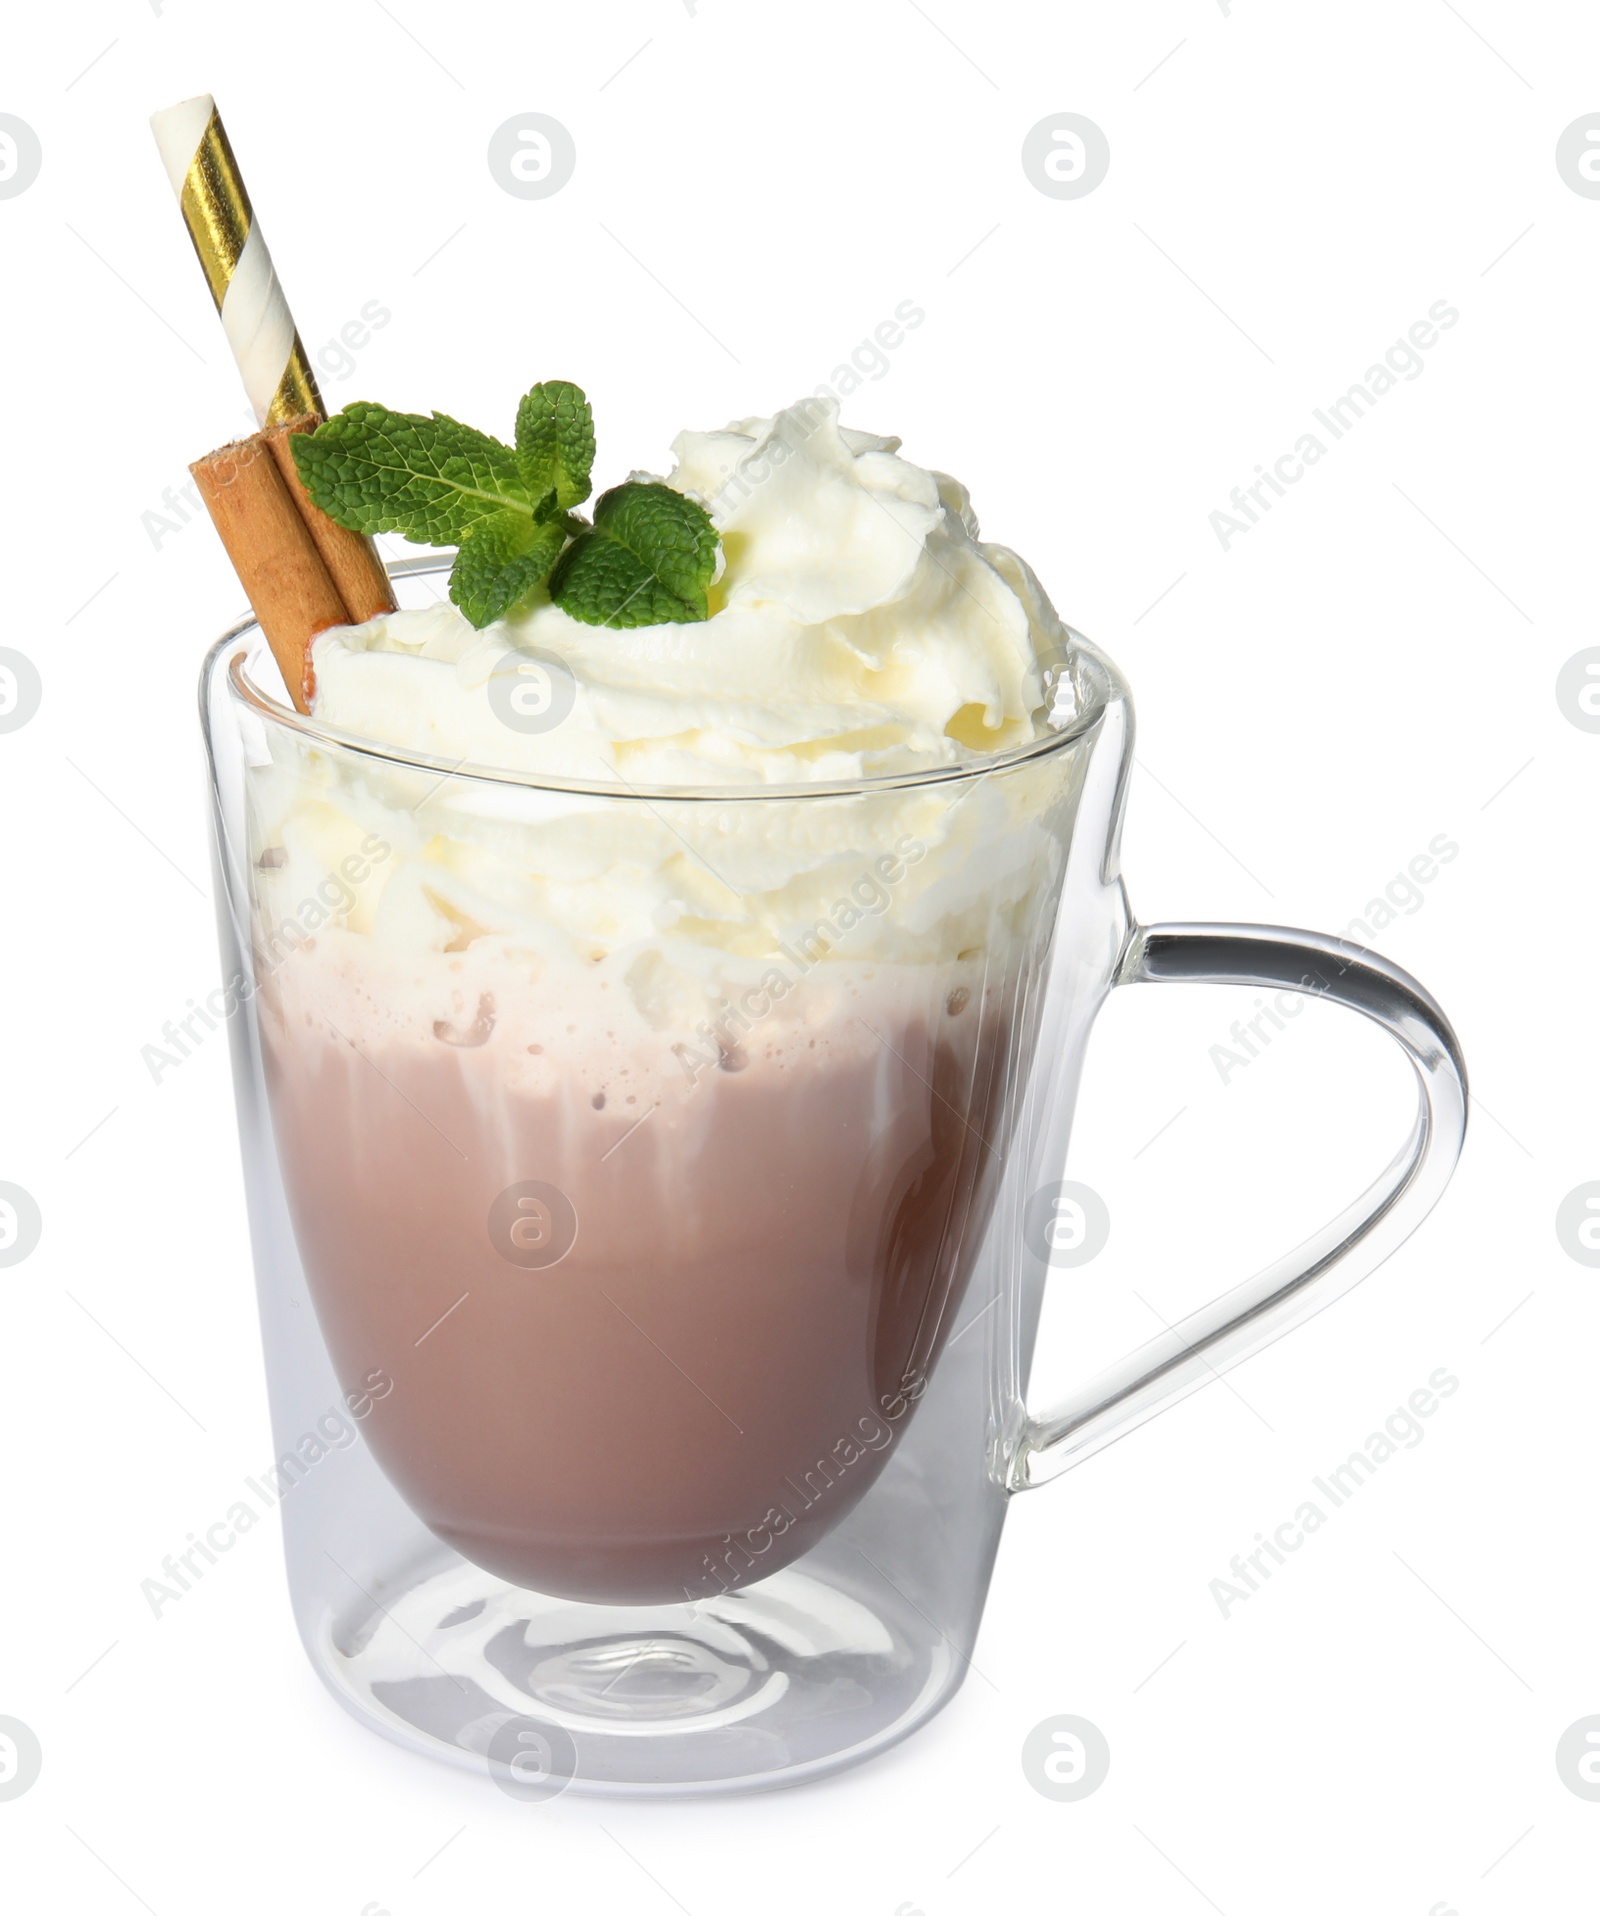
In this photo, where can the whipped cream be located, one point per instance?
(859, 627)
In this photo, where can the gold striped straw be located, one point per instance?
(234, 257)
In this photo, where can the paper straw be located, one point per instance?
(234, 257)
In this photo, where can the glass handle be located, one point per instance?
(1249, 1317)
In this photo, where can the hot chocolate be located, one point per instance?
(743, 1284)
(636, 1077)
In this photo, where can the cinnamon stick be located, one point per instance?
(274, 554)
(352, 561)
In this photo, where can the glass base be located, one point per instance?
(762, 1687)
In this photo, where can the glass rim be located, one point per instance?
(1110, 690)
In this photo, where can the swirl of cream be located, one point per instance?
(858, 627)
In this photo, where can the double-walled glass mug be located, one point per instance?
(650, 1192)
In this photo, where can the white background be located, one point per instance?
(1374, 664)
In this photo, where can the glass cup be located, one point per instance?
(652, 1192)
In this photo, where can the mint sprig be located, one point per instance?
(646, 560)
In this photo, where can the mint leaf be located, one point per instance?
(427, 478)
(500, 560)
(647, 561)
(555, 441)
